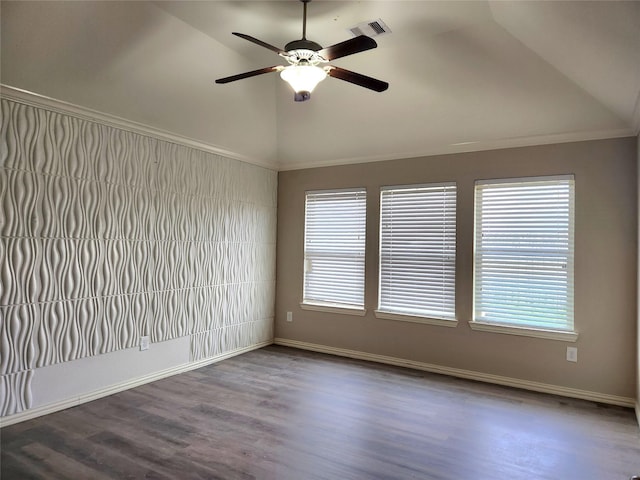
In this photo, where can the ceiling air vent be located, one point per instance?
(373, 28)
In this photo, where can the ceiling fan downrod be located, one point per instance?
(303, 43)
(304, 19)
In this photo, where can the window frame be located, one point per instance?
(568, 334)
(328, 305)
(389, 311)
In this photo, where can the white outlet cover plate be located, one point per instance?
(572, 354)
(144, 343)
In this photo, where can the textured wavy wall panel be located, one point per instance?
(215, 342)
(15, 392)
(109, 235)
(19, 324)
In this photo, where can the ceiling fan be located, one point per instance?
(304, 56)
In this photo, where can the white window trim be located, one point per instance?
(441, 322)
(542, 178)
(328, 304)
(387, 311)
(343, 310)
(509, 329)
(561, 335)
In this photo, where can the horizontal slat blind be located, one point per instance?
(418, 250)
(524, 252)
(334, 246)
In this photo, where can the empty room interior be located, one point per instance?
(319, 239)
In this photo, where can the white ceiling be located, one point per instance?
(463, 75)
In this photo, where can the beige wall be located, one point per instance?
(605, 270)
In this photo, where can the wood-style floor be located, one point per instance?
(279, 413)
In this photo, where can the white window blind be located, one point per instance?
(334, 246)
(524, 252)
(418, 250)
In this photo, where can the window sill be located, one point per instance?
(441, 322)
(359, 312)
(522, 331)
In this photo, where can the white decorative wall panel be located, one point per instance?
(107, 235)
(18, 326)
(15, 392)
(215, 342)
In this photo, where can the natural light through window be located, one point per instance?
(418, 250)
(334, 248)
(524, 249)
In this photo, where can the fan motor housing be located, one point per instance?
(302, 44)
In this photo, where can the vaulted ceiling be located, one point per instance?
(463, 75)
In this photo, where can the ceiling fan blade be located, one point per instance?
(357, 79)
(348, 47)
(252, 73)
(261, 43)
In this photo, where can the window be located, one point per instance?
(524, 253)
(418, 250)
(334, 244)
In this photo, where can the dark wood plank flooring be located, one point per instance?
(280, 413)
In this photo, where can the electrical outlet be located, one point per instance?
(572, 354)
(289, 316)
(144, 343)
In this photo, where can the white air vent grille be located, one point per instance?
(373, 28)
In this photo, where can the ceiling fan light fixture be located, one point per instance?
(303, 78)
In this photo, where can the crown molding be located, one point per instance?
(40, 101)
(30, 98)
(468, 147)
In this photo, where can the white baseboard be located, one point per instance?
(455, 372)
(119, 387)
(467, 374)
